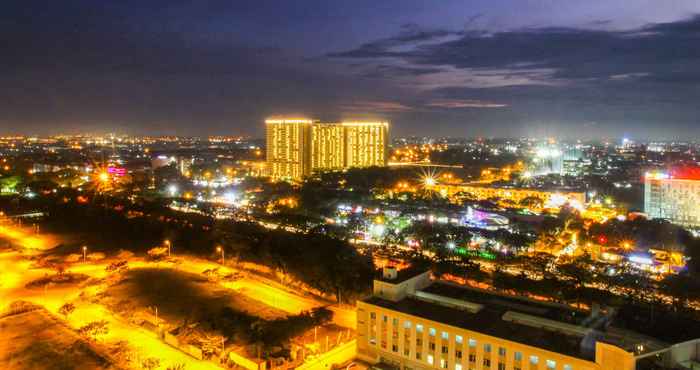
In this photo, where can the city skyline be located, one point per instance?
(490, 69)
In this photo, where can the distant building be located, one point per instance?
(550, 198)
(327, 146)
(673, 196)
(298, 147)
(413, 323)
(365, 143)
(288, 148)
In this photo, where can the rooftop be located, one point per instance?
(548, 326)
(488, 321)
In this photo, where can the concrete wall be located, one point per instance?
(338, 355)
(684, 352)
(246, 363)
(613, 358)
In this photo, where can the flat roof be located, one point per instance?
(546, 310)
(489, 321)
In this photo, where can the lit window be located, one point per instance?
(568, 367)
(534, 360)
(458, 367)
(443, 363)
(419, 328)
(472, 342)
(445, 335)
(551, 364)
(430, 359)
(432, 332)
(407, 324)
(458, 339)
(518, 356)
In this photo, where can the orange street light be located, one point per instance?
(167, 244)
(84, 253)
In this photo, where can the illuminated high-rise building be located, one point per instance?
(298, 147)
(288, 148)
(365, 143)
(673, 196)
(327, 146)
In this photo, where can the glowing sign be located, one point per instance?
(116, 171)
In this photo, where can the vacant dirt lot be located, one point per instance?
(37, 340)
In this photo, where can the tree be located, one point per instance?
(578, 270)
(94, 329)
(540, 263)
(150, 363)
(66, 309)
(682, 288)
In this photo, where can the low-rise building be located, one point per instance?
(412, 323)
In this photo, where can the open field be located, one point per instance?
(183, 296)
(38, 340)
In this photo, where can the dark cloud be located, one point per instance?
(393, 71)
(220, 66)
(657, 49)
(464, 103)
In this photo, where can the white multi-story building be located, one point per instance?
(411, 323)
(673, 196)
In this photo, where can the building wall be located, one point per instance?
(365, 143)
(327, 147)
(485, 192)
(288, 148)
(336, 356)
(296, 148)
(674, 200)
(395, 338)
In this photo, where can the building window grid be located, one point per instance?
(444, 363)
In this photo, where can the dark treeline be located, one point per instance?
(108, 225)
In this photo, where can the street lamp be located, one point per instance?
(84, 253)
(167, 244)
(220, 249)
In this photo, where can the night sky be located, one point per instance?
(573, 69)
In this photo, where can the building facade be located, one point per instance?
(288, 148)
(365, 144)
(673, 196)
(327, 146)
(298, 147)
(413, 323)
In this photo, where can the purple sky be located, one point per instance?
(462, 68)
